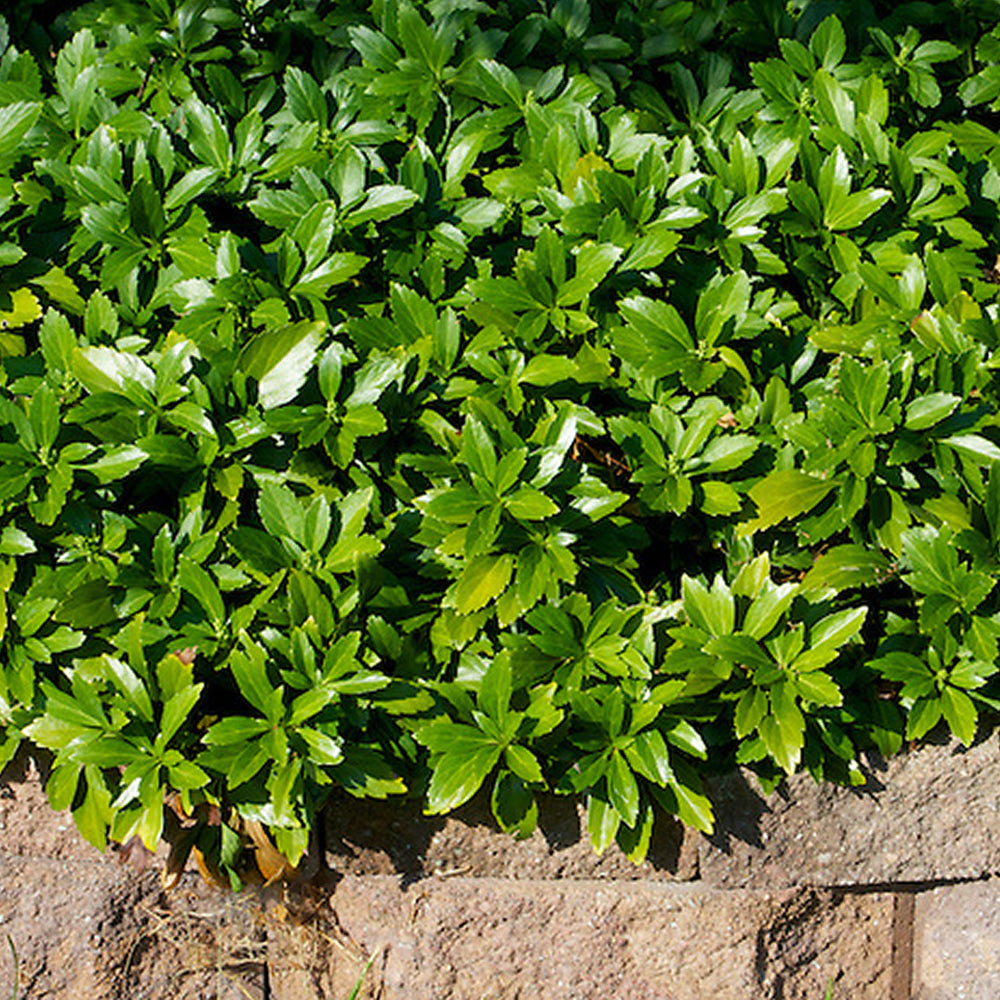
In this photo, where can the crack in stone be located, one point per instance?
(901, 983)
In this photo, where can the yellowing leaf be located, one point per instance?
(24, 310)
(482, 581)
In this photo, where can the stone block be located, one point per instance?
(926, 816)
(470, 939)
(956, 946)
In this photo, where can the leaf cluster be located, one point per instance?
(428, 397)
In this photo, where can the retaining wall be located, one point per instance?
(888, 892)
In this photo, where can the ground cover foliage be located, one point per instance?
(418, 397)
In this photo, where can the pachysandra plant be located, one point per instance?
(449, 399)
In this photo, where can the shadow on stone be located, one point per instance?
(29, 762)
(375, 836)
(738, 811)
(394, 837)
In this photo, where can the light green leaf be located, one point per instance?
(335, 270)
(15, 121)
(960, 714)
(14, 542)
(856, 208)
(383, 202)
(846, 566)
(192, 184)
(837, 629)
(530, 505)
(784, 494)
(482, 580)
(980, 449)
(456, 777)
(280, 360)
(926, 411)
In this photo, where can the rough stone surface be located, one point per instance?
(957, 942)
(926, 816)
(56, 917)
(468, 939)
(29, 827)
(100, 931)
(393, 837)
(790, 896)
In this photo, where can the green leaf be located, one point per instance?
(818, 688)
(16, 120)
(116, 463)
(146, 210)
(750, 710)
(979, 449)
(323, 749)
(514, 804)
(94, 813)
(712, 610)
(88, 605)
(202, 588)
(692, 805)
(837, 629)
(495, 689)
(281, 513)
(828, 42)
(767, 609)
(593, 263)
(649, 756)
(660, 339)
(784, 494)
(177, 709)
(523, 763)
(783, 731)
(530, 505)
(280, 360)
(651, 250)
(191, 185)
(282, 788)
(499, 84)
(548, 369)
(722, 306)
(833, 101)
(102, 369)
(335, 270)
(207, 135)
(249, 670)
(234, 730)
(383, 202)
(482, 581)
(846, 566)
(960, 714)
(623, 790)
(856, 208)
(456, 777)
(924, 716)
(603, 821)
(305, 100)
(926, 411)
(983, 87)
(14, 542)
